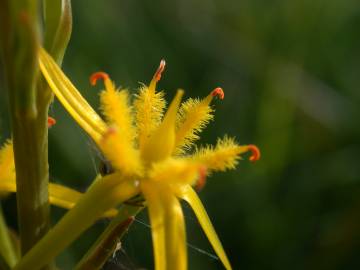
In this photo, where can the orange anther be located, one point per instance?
(159, 71)
(98, 75)
(51, 121)
(255, 152)
(218, 92)
(202, 179)
(109, 132)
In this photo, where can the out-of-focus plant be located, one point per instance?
(147, 149)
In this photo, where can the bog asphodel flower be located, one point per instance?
(149, 149)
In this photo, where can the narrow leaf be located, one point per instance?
(190, 196)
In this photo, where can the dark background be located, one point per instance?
(290, 72)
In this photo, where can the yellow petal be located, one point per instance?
(7, 166)
(63, 196)
(190, 196)
(59, 195)
(167, 227)
(70, 97)
(194, 115)
(157, 220)
(161, 143)
(175, 172)
(225, 155)
(66, 197)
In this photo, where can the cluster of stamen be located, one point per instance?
(217, 92)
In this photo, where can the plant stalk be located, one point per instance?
(20, 37)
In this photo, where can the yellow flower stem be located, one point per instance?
(107, 242)
(7, 249)
(106, 193)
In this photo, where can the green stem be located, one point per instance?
(29, 100)
(107, 242)
(7, 249)
(105, 194)
(28, 118)
(30, 148)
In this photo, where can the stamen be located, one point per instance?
(159, 71)
(255, 152)
(218, 92)
(202, 179)
(50, 121)
(98, 75)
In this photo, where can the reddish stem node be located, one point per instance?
(98, 75)
(218, 92)
(255, 152)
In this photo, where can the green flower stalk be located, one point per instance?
(19, 45)
(29, 102)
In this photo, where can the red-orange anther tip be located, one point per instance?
(98, 75)
(110, 131)
(218, 92)
(202, 179)
(159, 71)
(255, 152)
(51, 121)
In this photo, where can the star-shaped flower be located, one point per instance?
(148, 149)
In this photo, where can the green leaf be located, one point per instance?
(58, 27)
(190, 196)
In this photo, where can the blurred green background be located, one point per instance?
(291, 75)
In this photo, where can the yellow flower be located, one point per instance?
(149, 148)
